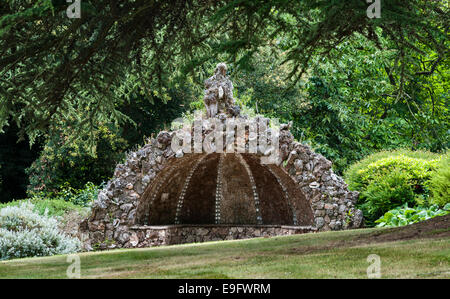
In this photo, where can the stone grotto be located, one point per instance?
(168, 194)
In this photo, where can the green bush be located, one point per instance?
(386, 193)
(80, 197)
(404, 215)
(63, 163)
(353, 173)
(53, 207)
(390, 179)
(440, 182)
(59, 203)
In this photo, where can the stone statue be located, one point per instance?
(219, 93)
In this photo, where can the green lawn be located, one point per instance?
(323, 255)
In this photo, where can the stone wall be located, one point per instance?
(147, 236)
(332, 202)
(114, 212)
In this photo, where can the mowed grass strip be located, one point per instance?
(320, 255)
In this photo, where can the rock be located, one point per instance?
(328, 206)
(202, 231)
(319, 221)
(139, 187)
(319, 205)
(99, 204)
(320, 213)
(131, 215)
(285, 127)
(146, 179)
(102, 196)
(332, 224)
(357, 219)
(298, 164)
(116, 222)
(87, 247)
(314, 185)
(126, 207)
(124, 237)
(164, 138)
(234, 111)
(132, 196)
(134, 240)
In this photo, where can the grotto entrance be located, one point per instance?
(166, 194)
(232, 189)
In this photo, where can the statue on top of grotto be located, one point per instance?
(219, 93)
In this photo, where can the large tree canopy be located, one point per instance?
(56, 70)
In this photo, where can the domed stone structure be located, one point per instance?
(223, 189)
(166, 193)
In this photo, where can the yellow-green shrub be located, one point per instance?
(440, 182)
(389, 179)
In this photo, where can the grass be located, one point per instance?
(321, 255)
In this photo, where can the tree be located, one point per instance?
(15, 157)
(62, 163)
(54, 69)
(341, 107)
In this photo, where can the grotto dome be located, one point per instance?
(188, 185)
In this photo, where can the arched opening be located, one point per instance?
(225, 189)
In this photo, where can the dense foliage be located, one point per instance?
(56, 68)
(46, 205)
(404, 215)
(25, 233)
(88, 90)
(440, 182)
(387, 180)
(342, 107)
(63, 163)
(66, 162)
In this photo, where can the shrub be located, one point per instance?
(404, 215)
(386, 193)
(390, 179)
(79, 197)
(353, 173)
(25, 233)
(440, 182)
(53, 207)
(63, 162)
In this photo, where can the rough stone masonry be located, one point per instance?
(116, 218)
